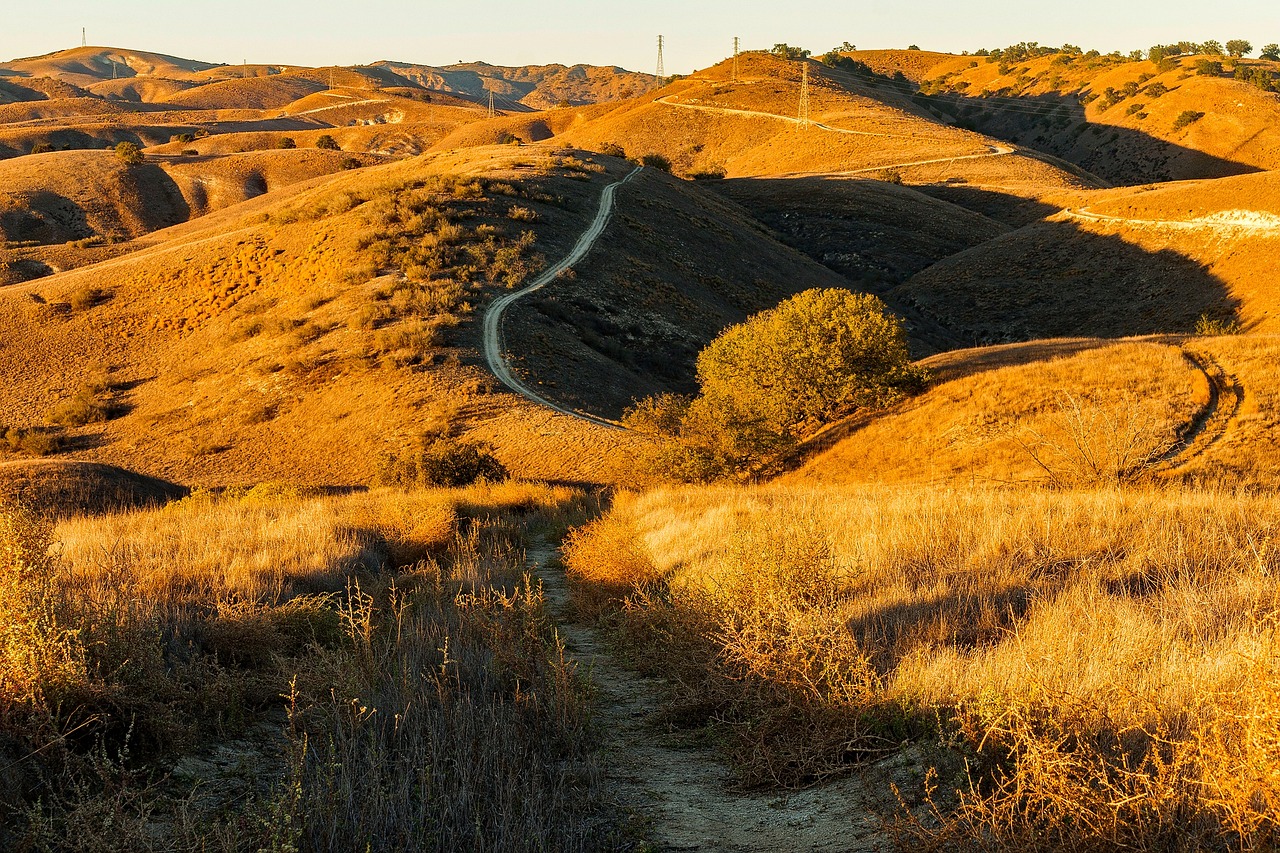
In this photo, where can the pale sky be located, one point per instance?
(521, 32)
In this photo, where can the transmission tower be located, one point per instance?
(736, 43)
(804, 94)
(84, 37)
(492, 111)
(662, 69)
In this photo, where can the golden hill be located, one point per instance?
(84, 66)
(1118, 262)
(62, 209)
(1124, 120)
(1073, 412)
(292, 336)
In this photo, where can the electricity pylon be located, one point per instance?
(662, 69)
(736, 42)
(492, 112)
(84, 37)
(804, 94)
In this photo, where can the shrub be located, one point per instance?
(765, 383)
(447, 462)
(349, 163)
(522, 214)
(1208, 68)
(41, 148)
(712, 173)
(86, 297)
(84, 407)
(31, 442)
(1187, 119)
(1157, 89)
(786, 51)
(129, 154)
(1213, 327)
(613, 149)
(287, 143)
(656, 161)
(327, 143)
(1271, 52)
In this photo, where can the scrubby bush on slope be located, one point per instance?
(766, 383)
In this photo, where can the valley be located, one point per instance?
(867, 451)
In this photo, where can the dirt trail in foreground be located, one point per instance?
(680, 787)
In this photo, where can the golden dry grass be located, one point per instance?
(148, 638)
(1090, 415)
(1104, 658)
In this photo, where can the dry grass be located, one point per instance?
(1097, 416)
(429, 706)
(1103, 661)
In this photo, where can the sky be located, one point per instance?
(698, 33)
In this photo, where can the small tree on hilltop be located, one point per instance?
(129, 154)
(786, 51)
(1239, 48)
(1270, 52)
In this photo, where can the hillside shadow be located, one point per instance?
(1012, 210)
(1055, 279)
(1056, 124)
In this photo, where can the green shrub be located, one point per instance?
(766, 383)
(1213, 327)
(327, 143)
(129, 154)
(656, 161)
(287, 143)
(349, 163)
(1208, 68)
(1156, 90)
(1187, 119)
(612, 149)
(443, 462)
(41, 148)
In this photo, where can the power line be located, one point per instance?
(662, 70)
(804, 94)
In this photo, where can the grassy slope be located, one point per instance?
(1063, 276)
(992, 411)
(306, 394)
(1237, 134)
(666, 278)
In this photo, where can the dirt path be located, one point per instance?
(1212, 422)
(494, 350)
(1244, 222)
(680, 787)
(993, 150)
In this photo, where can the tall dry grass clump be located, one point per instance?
(429, 704)
(39, 658)
(1100, 663)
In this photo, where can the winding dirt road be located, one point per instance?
(494, 349)
(993, 150)
(1255, 222)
